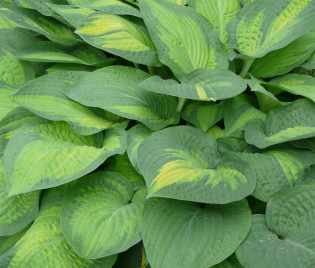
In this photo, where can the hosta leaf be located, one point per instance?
(228, 144)
(236, 113)
(219, 13)
(246, 2)
(184, 39)
(13, 121)
(308, 178)
(56, 153)
(285, 238)
(294, 121)
(267, 25)
(118, 36)
(183, 234)
(44, 244)
(116, 90)
(201, 84)
(186, 165)
(72, 15)
(216, 132)
(131, 258)
(101, 215)
(66, 67)
(122, 165)
(297, 84)
(284, 60)
(306, 144)
(52, 52)
(258, 88)
(6, 104)
(202, 115)
(111, 7)
(310, 63)
(135, 137)
(18, 211)
(231, 262)
(277, 170)
(12, 70)
(43, 96)
(32, 20)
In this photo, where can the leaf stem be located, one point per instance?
(151, 70)
(180, 105)
(247, 64)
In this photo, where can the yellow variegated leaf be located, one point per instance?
(184, 39)
(266, 25)
(219, 13)
(187, 166)
(120, 37)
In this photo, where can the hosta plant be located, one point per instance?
(157, 133)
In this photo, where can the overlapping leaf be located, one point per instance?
(101, 215)
(18, 211)
(267, 25)
(56, 153)
(294, 121)
(118, 36)
(201, 84)
(116, 90)
(285, 237)
(183, 234)
(44, 244)
(187, 166)
(43, 96)
(184, 39)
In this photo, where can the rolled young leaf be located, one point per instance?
(184, 39)
(184, 234)
(187, 166)
(56, 153)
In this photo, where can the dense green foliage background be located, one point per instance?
(157, 133)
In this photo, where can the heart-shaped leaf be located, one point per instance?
(187, 166)
(285, 237)
(101, 215)
(184, 235)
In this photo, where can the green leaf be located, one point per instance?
(116, 90)
(72, 15)
(44, 244)
(136, 135)
(118, 36)
(131, 258)
(183, 234)
(219, 13)
(13, 71)
(184, 39)
(267, 25)
(101, 215)
(285, 237)
(32, 20)
(51, 52)
(56, 153)
(236, 113)
(186, 165)
(277, 170)
(43, 97)
(122, 165)
(201, 84)
(310, 63)
(308, 178)
(297, 84)
(111, 7)
(305, 144)
(18, 211)
(202, 114)
(294, 121)
(6, 105)
(13, 120)
(231, 262)
(283, 60)
(66, 67)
